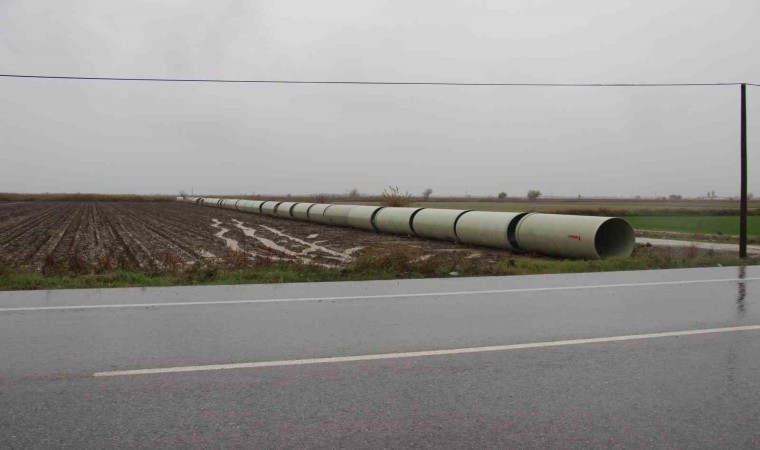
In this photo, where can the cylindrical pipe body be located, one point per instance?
(211, 201)
(551, 234)
(338, 214)
(569, 236)
(242, 204)
(396, 220)
(317, 212)
(284, 209)
(269, 207)
(363, 217)
(301, 211)
(436, 223)
(488, 228)
(251, 206)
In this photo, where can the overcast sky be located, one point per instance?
(87, 136)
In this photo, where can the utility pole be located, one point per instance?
(743, 206)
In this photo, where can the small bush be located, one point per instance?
(394, 197)
(77, 262)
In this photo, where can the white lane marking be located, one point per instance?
(455, 351)
(373, 297)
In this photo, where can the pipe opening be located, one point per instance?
(372, 219)
(512, 231)
(614, 238)
(456, 236)
(411, 221)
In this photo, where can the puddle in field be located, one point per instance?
(312, 236)
(287, 254)
(344, 256)
(231, 243)
(272, 245)
(268, 243)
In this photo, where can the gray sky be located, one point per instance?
(64, 136)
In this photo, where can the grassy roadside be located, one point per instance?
(721, 225)
(367, 267)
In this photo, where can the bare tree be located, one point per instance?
(502, 195)
(427, 193)
(354, 193)
(533, 194)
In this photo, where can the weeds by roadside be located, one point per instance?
(369, 265)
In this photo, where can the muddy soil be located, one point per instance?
(144, 235)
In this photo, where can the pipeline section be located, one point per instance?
(567, 236)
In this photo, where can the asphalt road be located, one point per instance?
(656, 359)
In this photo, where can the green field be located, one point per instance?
(609, 207)
(709, 217)
(727, 225)
(629, 207)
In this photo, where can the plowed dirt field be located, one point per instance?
(146, 235)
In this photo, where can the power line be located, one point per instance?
(388, 83)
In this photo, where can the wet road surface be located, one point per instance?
(622, 360)
(717, 246)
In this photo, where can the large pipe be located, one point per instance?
(587, 237)
(337, 214)
(550, 234)
(285, 209)
(396, 220)
(317, 212)
(363, 217)
(211, 201)
(268, 208)
(250, 206)
(437, 223)
(301, 211)
(489, 229)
